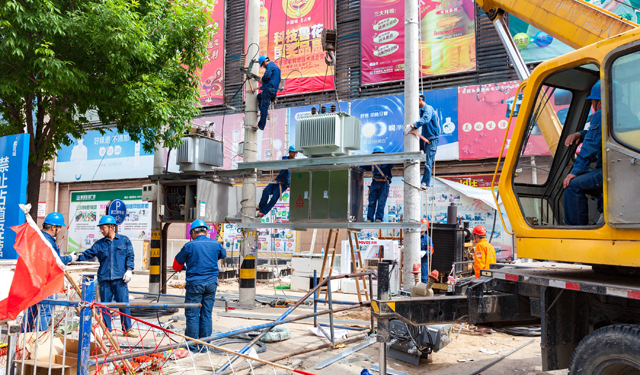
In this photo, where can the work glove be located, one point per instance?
(74, 257)
(408, 128)
(127, 276)
(422, 253)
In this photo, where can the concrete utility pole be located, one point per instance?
(156, 226)
(411, 253)
(248, 249)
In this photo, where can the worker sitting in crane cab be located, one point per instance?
(430, 124)
(274, 190)
(485, 254)
(426, 251)
(582, 180)
(379, 189)
(270, 83)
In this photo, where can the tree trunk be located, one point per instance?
(33, 186)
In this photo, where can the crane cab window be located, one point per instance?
(560, 109)
(625, 100)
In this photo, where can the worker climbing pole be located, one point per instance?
(248, 249)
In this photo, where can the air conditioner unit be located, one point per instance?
(199, 154)
(328, 134)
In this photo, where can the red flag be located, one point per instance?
(39, 271)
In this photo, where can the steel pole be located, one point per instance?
(248, 248)
(411, 252)
(510, 46)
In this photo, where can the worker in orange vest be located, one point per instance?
(485, 254)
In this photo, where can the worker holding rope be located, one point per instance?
(426, 251)
(201, 255)
(379, 189)
(269, 89)
(274, 190)
(430, 124)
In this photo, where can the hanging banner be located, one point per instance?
(290, 34)
(447, 39)
(87, 207)
(14, 158)
(212, 75)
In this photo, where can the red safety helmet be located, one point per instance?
(480, 231)
(425, 221)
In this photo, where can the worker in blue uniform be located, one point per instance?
(53, 223)
(582, 180)
(430, 124)
(270, 84)
(274, 190)
(201, 256)
(379, 189)
(115, 254)
(426, 251)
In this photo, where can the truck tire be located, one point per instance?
(609, 350)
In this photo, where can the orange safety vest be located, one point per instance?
(484, 255)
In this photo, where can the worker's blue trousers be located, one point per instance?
(115, 290)
(199, 322)
(424, 267)
(430, 152)
(29, 321)
(264, 101)
(378, 194)
(270, 196)
(576, 207)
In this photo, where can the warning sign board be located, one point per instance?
(299, 202)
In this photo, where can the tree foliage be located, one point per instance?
(133, 64)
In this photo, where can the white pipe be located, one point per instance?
(248, 246)
(55, 205)
(411, 252)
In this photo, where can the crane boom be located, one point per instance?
(574, 22)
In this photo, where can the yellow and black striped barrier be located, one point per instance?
(154, 258)
(248, 272)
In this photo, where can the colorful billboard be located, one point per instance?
(447, 39)
(212, 75)
(290, 34)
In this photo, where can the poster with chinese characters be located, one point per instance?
(13, 189)
(290, 34)
(447, 39)
(87, 207)
(212, 74)
(105, 156)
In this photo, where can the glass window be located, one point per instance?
(625, 100)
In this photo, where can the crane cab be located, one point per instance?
(555, 105)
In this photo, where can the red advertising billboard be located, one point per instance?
(212, 75)
(291, 35)
(483, 116)
(447, 38)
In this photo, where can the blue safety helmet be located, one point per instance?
(595, 91)
(261, 59)
(55, 218)
(292, 149)
(107, 219)
(378, 149)
(199, 224)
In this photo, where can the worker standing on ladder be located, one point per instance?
(430, 124)
(274, 190)
(379, 189)
(115, 254)
(485, 254)
(201, 255)
(269, 89)
(426, 250)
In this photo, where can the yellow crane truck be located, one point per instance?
(584, 283)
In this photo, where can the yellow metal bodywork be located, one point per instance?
(598, 245)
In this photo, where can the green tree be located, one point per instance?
(133, 63)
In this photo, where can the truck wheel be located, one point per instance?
(607, 351)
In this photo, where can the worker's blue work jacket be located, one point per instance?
(271, 79)
(201, 257)
(115, 257)
(284, 177)
(429, 122)
(65, 259)
(591, 149)
(385, 168)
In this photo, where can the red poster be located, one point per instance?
(291, 35)
(447, 38)
(212, 76)
(483, 115)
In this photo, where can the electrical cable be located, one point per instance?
(495, 213)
